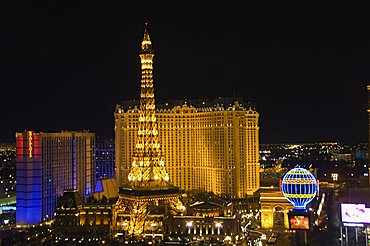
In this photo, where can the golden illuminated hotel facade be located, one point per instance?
(206, 145)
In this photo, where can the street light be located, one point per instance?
(218, 225)
(189, 224)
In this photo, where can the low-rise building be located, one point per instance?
(77, 219)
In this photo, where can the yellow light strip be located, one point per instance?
(30, 146)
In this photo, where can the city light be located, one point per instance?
(189, 223)
(334, 176)
(191, 170)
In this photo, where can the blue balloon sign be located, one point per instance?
(299, 187)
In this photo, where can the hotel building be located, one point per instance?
(104, 156)
(207, 145)
(47, 164)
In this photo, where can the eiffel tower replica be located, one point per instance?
(148, 196)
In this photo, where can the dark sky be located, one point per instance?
(305, 64)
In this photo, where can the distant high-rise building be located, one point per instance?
(104, 158)
(48, 164)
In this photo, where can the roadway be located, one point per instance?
(7, 201)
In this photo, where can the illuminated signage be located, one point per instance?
(299, 187)
(299, 220)
(30, 147)
(355, 213)
(353, 224)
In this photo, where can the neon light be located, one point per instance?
(8, 208)
(30, 147)
(299, 187)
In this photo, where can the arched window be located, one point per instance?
(278, 217)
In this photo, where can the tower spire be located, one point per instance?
(146, 44)
(147, 165)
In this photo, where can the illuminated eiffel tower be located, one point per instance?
(147, 196)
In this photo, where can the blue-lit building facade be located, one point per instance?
(105, 158)
(47, 164)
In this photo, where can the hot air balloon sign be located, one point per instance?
(299, 187)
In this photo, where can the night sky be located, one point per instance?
(305, 64)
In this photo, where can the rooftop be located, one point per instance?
(199, 105)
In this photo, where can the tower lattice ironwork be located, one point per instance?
(148, 188)
(147, 165)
